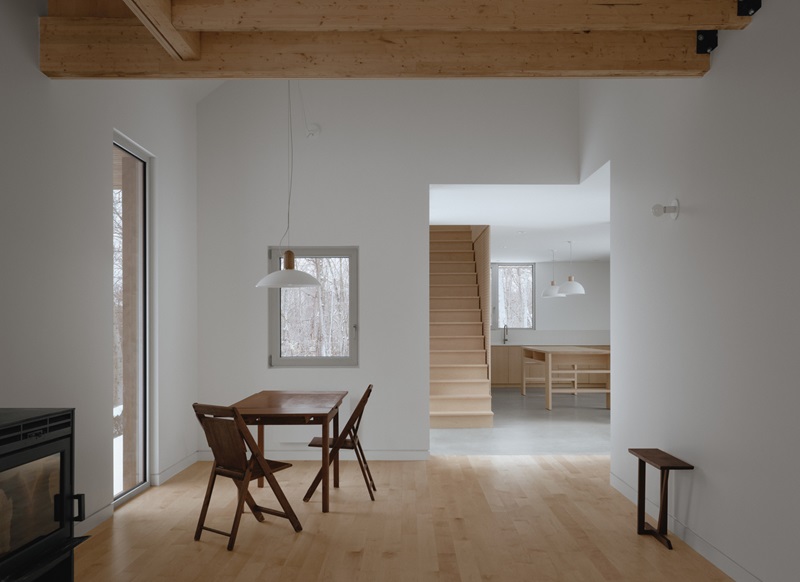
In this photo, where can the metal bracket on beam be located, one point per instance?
(706, 41)
(747, 7)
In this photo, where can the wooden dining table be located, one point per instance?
(293, 407)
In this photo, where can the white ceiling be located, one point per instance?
(529, 220)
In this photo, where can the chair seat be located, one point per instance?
(317, 442)
(257, 472)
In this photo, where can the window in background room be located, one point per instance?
(316, 326)
(512, 295)
(130, 178)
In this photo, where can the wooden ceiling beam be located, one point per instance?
(455, 15)
(119, 47)
(156, 15)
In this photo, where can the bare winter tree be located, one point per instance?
(515, 295)
(315, 321)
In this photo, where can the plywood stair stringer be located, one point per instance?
(460, 388)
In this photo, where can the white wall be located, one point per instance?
(704, 346)
(364, 181)
(56, 251)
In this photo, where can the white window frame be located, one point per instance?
(496, 294)
(148, 323)
(274, 311)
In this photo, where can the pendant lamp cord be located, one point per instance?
(303, 109)
(291, 170)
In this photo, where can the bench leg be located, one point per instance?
(644, 528)
(662, 514)
(640, 524)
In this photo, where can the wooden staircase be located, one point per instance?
(460, 388)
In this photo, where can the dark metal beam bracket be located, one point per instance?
(706, 41)
(747, 7)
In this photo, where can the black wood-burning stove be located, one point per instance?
(37, 497)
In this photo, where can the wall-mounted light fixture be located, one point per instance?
(673, 209)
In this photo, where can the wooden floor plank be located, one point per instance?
(449, 519)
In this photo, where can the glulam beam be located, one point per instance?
(121, 47)
(455, 15)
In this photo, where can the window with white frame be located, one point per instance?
(316, 326)
(513, 288)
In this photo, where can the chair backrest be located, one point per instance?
(350, 429)
(223, 435)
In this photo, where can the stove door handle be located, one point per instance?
(81, 498)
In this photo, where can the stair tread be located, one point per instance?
(463, 413)
(457, 396)
(457, 365)
(451, 381)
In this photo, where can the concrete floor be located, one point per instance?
(522, 426)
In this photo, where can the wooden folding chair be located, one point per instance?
(347, 439)
(230, 439)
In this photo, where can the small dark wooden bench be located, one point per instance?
(664, 462)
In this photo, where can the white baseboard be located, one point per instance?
(157, 479)
(310, 454)
(689, 537)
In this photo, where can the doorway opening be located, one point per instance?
(529, 226)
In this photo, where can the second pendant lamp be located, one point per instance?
(571, 287)
(553, 290)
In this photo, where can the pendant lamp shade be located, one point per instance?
(288, 276)
(571, 287)
(553, 290)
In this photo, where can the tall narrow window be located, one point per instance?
(129, 320)
(513, 289)
(316, 326)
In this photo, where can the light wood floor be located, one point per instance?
(450, 519)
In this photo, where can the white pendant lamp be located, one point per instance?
(571, 287)
(553, 290)
(288, 276)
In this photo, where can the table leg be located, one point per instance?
(548, 382)
(261, 448)
(326, 460)
(336, 454)
(522, 388)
